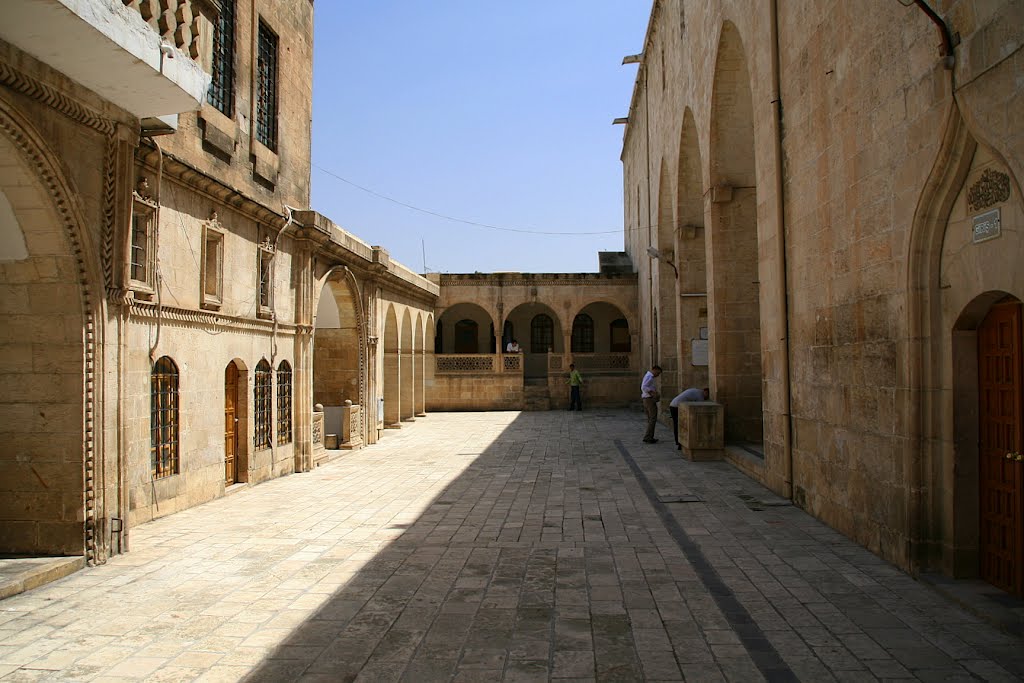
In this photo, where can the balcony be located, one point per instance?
(138, 54)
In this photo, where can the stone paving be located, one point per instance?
(498, 546)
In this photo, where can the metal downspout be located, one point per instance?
(780, 244)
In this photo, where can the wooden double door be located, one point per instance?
(1001, 447)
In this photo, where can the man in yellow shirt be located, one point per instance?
(575, 381)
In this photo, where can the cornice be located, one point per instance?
(41, 92)
(183, 317)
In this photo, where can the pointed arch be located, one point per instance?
(666, 282)
(51, 222)
(392, 372)
(691, 255)
(407, 370)
(734, 315)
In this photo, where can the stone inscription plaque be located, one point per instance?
(986, 226)
(699, 352)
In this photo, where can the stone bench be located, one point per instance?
(702, 430)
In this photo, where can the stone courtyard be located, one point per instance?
(498, 546)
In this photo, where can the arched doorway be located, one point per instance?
(339, 366)
(544, 331)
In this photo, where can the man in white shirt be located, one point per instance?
(649, 394)
(512, 347)
(691, 394)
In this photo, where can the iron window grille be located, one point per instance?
(222, 86)
(284, 403)
(266, 88)
(163, 418)
(583, 334)
(542, 334)
(263, 404)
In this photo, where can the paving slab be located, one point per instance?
(499, 546)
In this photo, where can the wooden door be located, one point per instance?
(231, 424)
(1001, 473)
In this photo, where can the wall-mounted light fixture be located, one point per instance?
(633, 59)
(655, 254)
(623, 120)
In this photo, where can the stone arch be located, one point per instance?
(420, 350)
(339, 346)
(734, 316)
(407, 370)
(603, 313)
(952, 285)
(453, 315)
(691, 257)
(51, 410)
(392, 369)
(522, 316)
(665, 283)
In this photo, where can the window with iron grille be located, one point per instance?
(284, 403)
(266, 88)
(163, 418)
(263, 404)
(222, 86)
(542, 334)
(583, 334)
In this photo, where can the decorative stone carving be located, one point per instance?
(992, 188)
(457, 363)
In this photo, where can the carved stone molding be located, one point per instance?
(184, 317)
(41, 161)
(52, 97)
(992, 188)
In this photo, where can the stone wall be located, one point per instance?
(474, 392)
(816, 212)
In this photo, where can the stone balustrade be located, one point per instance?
(177, 22)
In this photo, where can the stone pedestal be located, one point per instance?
(702, 430)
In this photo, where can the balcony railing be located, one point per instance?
(477, 363)
(177, 24)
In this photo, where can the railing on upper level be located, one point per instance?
(477, 363)
(179, 24)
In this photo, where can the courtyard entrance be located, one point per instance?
(1001, 388)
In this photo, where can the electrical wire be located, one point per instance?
(460, 220)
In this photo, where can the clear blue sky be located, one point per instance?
(492, 112)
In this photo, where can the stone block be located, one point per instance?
(702, 430)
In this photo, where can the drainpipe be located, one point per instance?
(780, 255)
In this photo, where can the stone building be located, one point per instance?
(167, 335)
(587, 319)
(823, 202)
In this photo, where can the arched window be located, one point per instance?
(163, 418)
(467, 337)
(619, 334)
(583, 334)
(262, 394)
(284, 403)
(542, 334)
